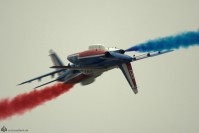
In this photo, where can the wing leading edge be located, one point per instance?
(150, 54)
(40, 77)
(128, 73)
(78, 68)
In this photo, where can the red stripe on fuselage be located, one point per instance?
(91, 53)
(78, 78)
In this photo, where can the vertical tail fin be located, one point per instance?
(55, 59)
(128, 73)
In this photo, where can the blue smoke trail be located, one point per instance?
(183, 40)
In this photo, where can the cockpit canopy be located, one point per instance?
(97, 47)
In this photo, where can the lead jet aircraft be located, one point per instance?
(87, 65)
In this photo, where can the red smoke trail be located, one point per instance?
(27, 101)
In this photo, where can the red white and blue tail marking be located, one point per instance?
(128, 73)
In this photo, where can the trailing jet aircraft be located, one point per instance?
(87, 65)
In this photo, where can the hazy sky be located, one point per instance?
(168, 85)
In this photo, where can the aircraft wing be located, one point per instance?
(128, 73)
(152, 54)
(46, 83)
(78, 68)
(40, 77)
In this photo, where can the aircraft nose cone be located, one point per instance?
(72, 58)
(69, 58)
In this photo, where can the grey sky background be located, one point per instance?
(168, 85)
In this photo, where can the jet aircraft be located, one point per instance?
(86, 66)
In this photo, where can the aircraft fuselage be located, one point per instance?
(94, 58)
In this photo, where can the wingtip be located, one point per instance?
(52, 67)
(20, 84)
(51, 51)
(135, 90)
